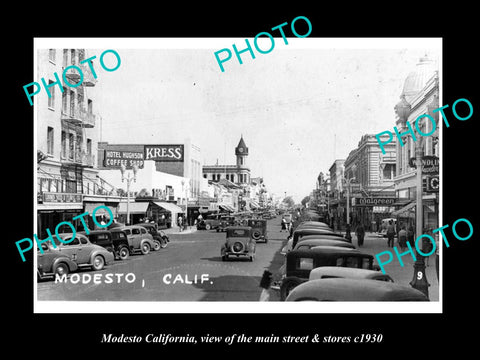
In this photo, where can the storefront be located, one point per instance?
(54, 208)
(137, 211)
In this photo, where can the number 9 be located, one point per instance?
(419, 275)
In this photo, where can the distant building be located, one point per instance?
(238, 174)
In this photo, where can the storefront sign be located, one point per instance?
(375, 201)
(54, 197)
(430, 164)
(117, 158)
(164, 152)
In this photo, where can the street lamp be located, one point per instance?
(129, 181)
(185, 196)
(348, 181)
(419, 280)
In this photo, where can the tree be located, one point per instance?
(305, 200)
(289, 201)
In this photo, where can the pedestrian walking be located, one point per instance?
(360, 232)
(390, 233)
(180, 222)
(348, 236)
(402, 238)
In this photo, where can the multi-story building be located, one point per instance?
(66, 139)
(238, 174)
(371, 173)
(420, 96)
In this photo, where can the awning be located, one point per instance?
(226, 207)
(134, 207)
(89, 207)
(254, 204)
(169, 207)
(404, 209)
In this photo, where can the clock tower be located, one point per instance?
(241, 151)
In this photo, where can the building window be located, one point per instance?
(49, 140)
(72, 102)
(204, 176)
(51, 55)
(51, 99)
(65, 58)
(72, 52)
(64, 101)
(90, 106)
(89, 146)
(71, 143)
(63, 150)
(232, 178)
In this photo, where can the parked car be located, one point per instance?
(327, 272)
(238, 242)
(120, 242)
(321, 236)
(139, 239)
(311, 243)
(259, 229)
(299, 233)
(299, 263)
(52, 262)
(346, 289)
(118, 247)
(81, 251)
(160, 239)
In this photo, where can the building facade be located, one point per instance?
(66, 137)
(238, 174)
(420, 96)
(371, 175)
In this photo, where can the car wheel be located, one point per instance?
(208, 227)
(145, 248)
(123, 253)
(62, 269)
(256, 235)
(156, 245)
(287, 286)
(98, 262)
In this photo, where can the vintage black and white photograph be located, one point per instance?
(181, 175)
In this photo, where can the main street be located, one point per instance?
(188, 269)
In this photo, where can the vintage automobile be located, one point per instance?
(299, 263)
(299, 233)
(322, 236)
(226, 221)
(239, 242)
(138, 239)
(327, 272)
(52, 262)
(81, 251)
(311, 243)
(313, 225)
(259, 229)
(118, 246)
(210, 222)
(120, 242)
(160, 239)
(347, 289)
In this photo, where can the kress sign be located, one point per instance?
(164, 152)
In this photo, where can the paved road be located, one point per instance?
(189, 269)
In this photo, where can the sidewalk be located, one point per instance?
(373, 244)
(176, 230)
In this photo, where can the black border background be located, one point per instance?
(406, 334)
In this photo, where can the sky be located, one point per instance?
(298, 108)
